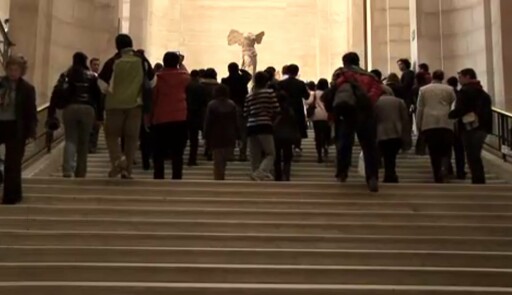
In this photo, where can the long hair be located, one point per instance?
(78, 66)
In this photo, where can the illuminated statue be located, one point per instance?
(248, 43)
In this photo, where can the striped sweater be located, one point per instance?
(260, 109)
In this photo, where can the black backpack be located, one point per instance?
(351, 102)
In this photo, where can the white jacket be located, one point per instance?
(320, 112)
(435, 102)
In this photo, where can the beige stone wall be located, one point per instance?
(502, 52)
(60, 28)
(389, 33)
(456, 34)
(464, 35)
(312, 33)
(4, 9)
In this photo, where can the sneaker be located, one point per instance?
(342, 177)
(118, 168)
(242, 158)
(373, 185)
(67, 175)
(262, 176)
(125, 175)
(320, 161)
(326, 152)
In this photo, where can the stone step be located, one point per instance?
(254, 227)
(97, 288)
(262, 274)
(254, 215)
(263, 241)
(294, 178)
(245, 172)
(48, 254)
(242, 186)
(422, 206)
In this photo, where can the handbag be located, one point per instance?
(310, 111)
(470, 121)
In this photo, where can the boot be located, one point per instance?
(287, 172)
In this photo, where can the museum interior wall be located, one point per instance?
(447, 34)
(388, 33)
(311, 33)
(454, 34)
(57, 29)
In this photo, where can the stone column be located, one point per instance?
(32, 39)
(57, 29)
(139, 14)
(388, 33)
(465, 38)
(502, 49)
(357, 27)
(426, 45)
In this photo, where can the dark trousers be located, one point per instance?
(439, 142)
(93, 138)
(367, 135)
(242, 122)
(460, 156)
(389, 151)
(14, 152)
(322, 134)
(283, 160)
(146, 147)
(474, 143)
(169, 137)
(193, 134)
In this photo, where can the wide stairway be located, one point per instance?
(410, 167)
(312, 236)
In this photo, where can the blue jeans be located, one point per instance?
(78, 122)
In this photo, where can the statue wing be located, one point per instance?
(235, 37)
(259, 37)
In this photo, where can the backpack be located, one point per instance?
(61, 92)
(351, 102)
(311, 109)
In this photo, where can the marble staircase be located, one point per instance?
(311, 236)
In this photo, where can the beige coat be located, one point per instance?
(435, 102)
(392, 119)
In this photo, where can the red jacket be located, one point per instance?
(368, 82)
(169, 96)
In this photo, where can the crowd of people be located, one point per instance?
(159, 110)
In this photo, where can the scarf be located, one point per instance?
(6, 95)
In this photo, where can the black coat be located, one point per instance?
(196, 104)
(26, 109)
(408, 80)
(238, 86)
(473, 99)
(297, 93)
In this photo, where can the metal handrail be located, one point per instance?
(7, 43)
(502, 112)
(43, 142)
(500, 140)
